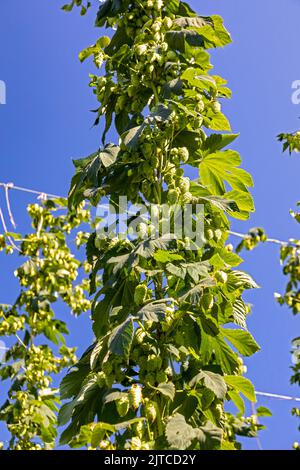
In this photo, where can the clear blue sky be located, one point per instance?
(47, 121)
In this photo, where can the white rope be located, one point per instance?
(42, 194)
(269, 240)
(278, 397)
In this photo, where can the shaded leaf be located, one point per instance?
(121, 338)
(194, 294)
(179, 434)
(154, 311)
(212, 381)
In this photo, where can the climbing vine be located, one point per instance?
(161, 369)
(38, 350)
(290, 261)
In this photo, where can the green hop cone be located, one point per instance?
(218, 234)
(207, 301)
(216, 106)
(150, 412)
(187, 198)
(135, 397)
(139, 429)
(140, 336)
(219, 412)
(142, 49)
(184, 184)
(140, 294)
(209, 234)
(221, 277)
(101, 379)
(184, 154)
(123, 406)
(172, 196)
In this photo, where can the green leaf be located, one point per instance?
(197, 270)
(121, 338)
(71, 383)
(217, 262)
(131, 138)
(227, 445)
(177, 39)
(154, 311)
(212, 381)
(129, 261)
(89, 51)
(225, 357)
(212, 436)
(237, 279)
(217, 122)
(65, 413)
(222, 203)
(148, 247)
(122, 121)
(126, 424)
(167, 389)
(89, 174)
(216, 35)
(179, 434)
(194, 294)
(220, 167)
(240, 313)
(203, 83)
(193, 22)
(244, 202)
(109, 9)
(89, 388)
(109, 155)
(263, 411)
(210, 30)
(210, 325)
(113, 396)
(230, 258)
(243, 341)
(237, 400)
(166, 256)
(178, 271)
(99, 431)
(189, 139)
(95, 354)
(241, 385)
